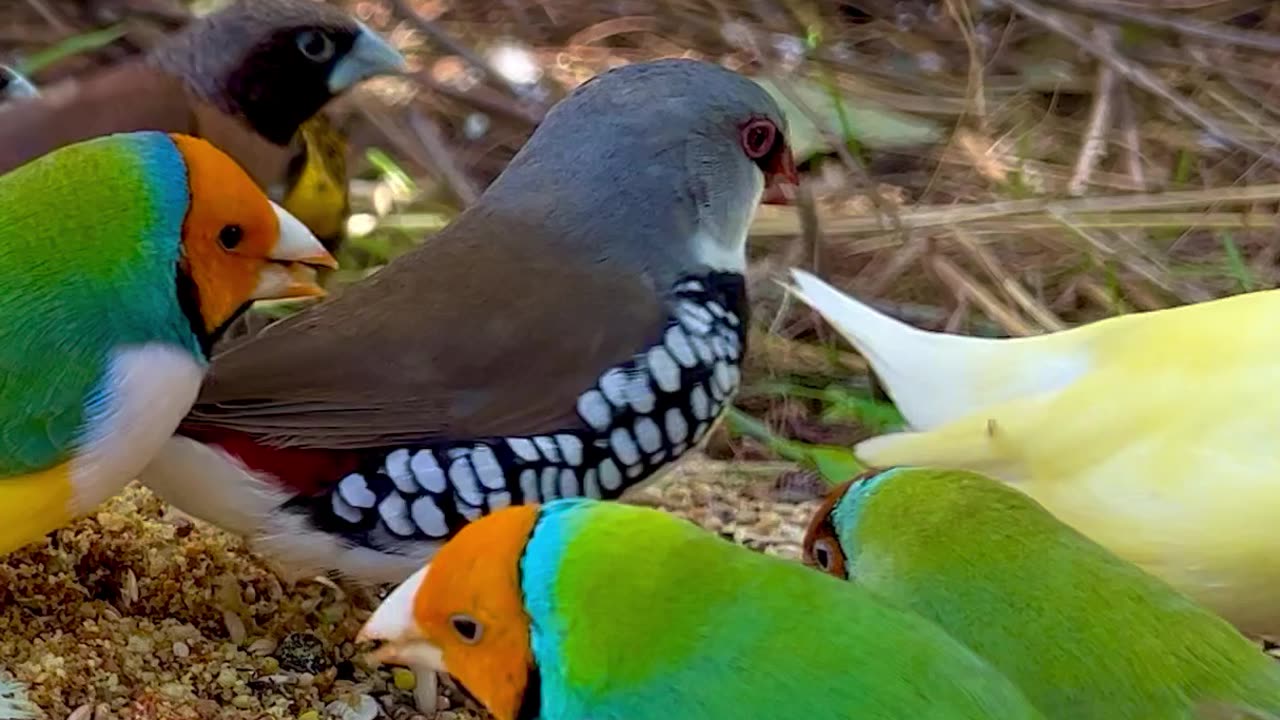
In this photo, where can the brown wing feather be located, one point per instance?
(265, 161)
(466, 336)
(124, 98)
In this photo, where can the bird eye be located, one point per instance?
(467, 628)
(823, 554)
(758, 137)
(316, 45)
(230, 236)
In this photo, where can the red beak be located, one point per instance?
(781, 181)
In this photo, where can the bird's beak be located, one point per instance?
(370, 55)
(393, 624)
(781, 181)
(294, 259)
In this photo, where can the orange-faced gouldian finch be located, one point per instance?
(588, 609)
(1086, 635)
(121, 259)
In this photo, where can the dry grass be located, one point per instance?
(1003, 167)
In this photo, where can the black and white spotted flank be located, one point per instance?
(638, 417)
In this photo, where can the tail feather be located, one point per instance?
(935, 378)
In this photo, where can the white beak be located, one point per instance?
(295, 257)
(297, 244)
(370, 55)
(394, 624)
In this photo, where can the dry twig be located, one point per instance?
(1221, 33)
(1142, 77)
(964, 286)
(1011, 287)
(442, 158)
(1095, 138)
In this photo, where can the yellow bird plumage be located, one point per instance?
(35, 504)
(1153, 433)
(316, 190)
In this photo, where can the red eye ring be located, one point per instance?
(758, 137)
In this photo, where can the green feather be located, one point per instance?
(1085, 634)
(89, 245)
(639, 615)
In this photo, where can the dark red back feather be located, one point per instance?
(302, 471)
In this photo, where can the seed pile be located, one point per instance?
(140, 613)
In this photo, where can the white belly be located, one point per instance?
(151, 388)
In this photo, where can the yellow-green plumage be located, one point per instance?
(89, 245)
(637, 614)
(1086, 635)
(1152, 433)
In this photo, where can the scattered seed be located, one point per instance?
(227, 678)
(302, 652)
(129, 593)
(363, 708)
(262, 646)
(235, 627)
(404, 679)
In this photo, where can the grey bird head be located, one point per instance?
(658, 166)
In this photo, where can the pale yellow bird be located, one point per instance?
(1157, 434)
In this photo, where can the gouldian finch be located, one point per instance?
(1151, 433)
(121, 258)
(572, 333)
(246, 77)
(584, 609)
(1085, 634)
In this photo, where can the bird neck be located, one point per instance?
(188, 294)
(847, 511)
